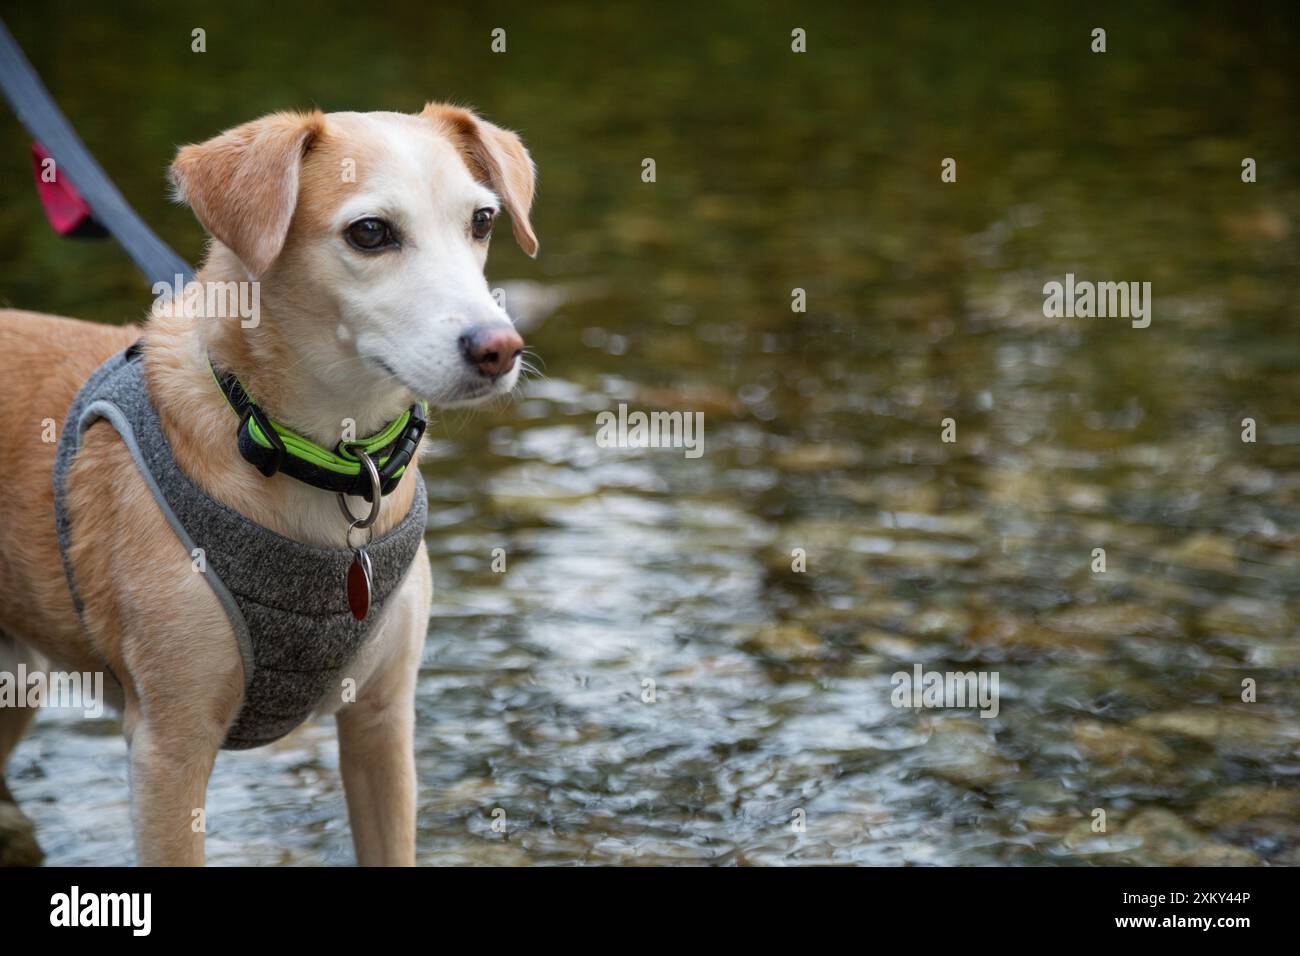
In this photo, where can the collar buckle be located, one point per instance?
(403, 449)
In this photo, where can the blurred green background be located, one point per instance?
(778, 171)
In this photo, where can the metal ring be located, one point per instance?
(376, 496)
(370, 536)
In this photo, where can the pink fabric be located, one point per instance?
(64, 207)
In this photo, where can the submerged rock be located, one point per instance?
(1005, 630)
(1114, 743)
(817, 457)
(1083, 840)
(964, 753)
(1111, 620)
(1203, 551)
(788, 642)
(1246, 802)
(891, 646)
(942, 622)
(1167, 840)
(1249, 616)
(1221, 726)
(18, 846)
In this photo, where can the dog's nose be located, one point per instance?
(492, 349)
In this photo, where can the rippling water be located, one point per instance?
(1120, 691)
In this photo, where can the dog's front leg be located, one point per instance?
(377, 734)
(377, 755)
(170, 766)
(183, 684)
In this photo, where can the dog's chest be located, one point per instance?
(286, 601)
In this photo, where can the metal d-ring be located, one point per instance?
(370, 536)
(376, 496)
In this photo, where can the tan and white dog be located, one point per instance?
(368, 234)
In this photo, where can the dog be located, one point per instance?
(365, 236)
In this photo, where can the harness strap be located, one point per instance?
(284, 599)
(271, 447)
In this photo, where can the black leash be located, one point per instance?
(47, 124)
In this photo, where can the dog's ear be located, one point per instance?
(497, 158)
(243, 184)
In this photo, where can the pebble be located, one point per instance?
(1115, 743)
(788, 642)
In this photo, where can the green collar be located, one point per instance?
(271, 447)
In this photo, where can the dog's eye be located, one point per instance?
(481, 225)
(370, 234)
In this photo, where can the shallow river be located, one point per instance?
(650, 680)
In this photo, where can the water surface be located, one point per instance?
(775, 171)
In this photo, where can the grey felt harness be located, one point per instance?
(285, 600)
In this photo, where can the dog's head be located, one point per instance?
(369, 234)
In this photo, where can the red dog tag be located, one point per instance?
(359, 585)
